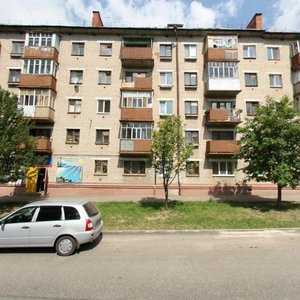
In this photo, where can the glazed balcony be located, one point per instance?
(296, 61)
(135, 146)
(136, 114)
(222, 147)
(223, 117)
(43, 145)
(137, 57)
(222, 86)
(140, 83)
(38, 81)
(43, 52)
(220, 54)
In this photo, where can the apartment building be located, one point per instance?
(95, 94)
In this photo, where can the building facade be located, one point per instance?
(96, 93)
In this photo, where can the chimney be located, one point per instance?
(97, 21)
(256, 22)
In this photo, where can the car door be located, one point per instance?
(46, 226)
(15, 229)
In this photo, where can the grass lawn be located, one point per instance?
(192, 215)
(198, 215)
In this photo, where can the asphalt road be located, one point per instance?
(203, 265)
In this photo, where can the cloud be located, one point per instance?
(286, 16)
(129, 13)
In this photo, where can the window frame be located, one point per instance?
(163, 51)
(273, 82)
(271, 53)
(192, 136)
(78, 49)
(190, 105)
(103, 163)
(75, 105)
(136, 130)
(165, 103)
(189, 84)
(249, 76)
(166, 75)
(17, 75)
(106, 75)
(73, 78)
(136, 99)
(187, 49)
(251, 107)
(134, 167)
(106, 53)
(106, 104)
(247, 53)
(17, 53)
(229, 171)
(195, 167)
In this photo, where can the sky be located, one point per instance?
(278, 15)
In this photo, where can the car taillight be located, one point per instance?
(88, 225)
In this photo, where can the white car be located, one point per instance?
(64, 225)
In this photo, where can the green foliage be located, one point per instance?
(16, 146)
(270, 144)
(169, 151)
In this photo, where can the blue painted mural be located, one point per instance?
(69, 170)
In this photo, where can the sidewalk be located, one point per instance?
(259, 195)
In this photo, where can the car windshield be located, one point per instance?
(90, 209)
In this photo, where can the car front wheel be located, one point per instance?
(65, 245)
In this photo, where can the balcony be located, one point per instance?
(222, 147)
(39, 113)
(297, 88)
(136, 114)
(223, 117)
(221, 54)
(137, 57)
(135, 146)
(222, 86)
(43, 145)
(140, 83)
(296, 61)
(37, 81)
(43, 52)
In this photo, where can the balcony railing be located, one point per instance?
(43, 145)
(43, 52)
(222, 147)
(37, 81)
(140, 83)
(135, 146)
(220, 54)
(222, 116)
(221, 86)
(136, 114)
(137, 57)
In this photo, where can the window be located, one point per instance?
(229, 105)
(105, 49)
(275, 80)
(251, 107)
(73, 136)
(17, 48)
(103, 106)
(104, 77)
(39, 39)
(192, 168)
(102, 136)
(191, 108)
(40, 66)
(134, 167)
(190, 51)
(249, 51)
(166, 107)
(220, 69)
(223, 168)
(165, 51)
(101, 167)
(165, 78)
(296, 77)
(130, 76)
(273, 53)
(14, 76)
(71, 213)
(78, 49)
(222, 135)
(192, 137)
(295, 47)
(37, 97)
(76, 76)
(22, 216)
(74, 106)
(136, 130)
(190, 79)
(49, 213)
(136, 99)
(250, 79)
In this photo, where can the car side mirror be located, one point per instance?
(2, 223)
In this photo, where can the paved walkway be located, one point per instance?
(259, 195)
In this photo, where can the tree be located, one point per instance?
(270, 145)
(169, 151)
(16, 146)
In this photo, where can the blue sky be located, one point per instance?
(279, 15)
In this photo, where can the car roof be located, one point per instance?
(59, 202)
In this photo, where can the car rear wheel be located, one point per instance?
(65, 245)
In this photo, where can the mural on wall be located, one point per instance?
(69, 170)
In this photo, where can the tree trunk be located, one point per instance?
(279, 196)
(179, 185)
(166, 188)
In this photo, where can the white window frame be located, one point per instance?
(136, 130)
(188, 83)
(249, 53)
(275, 80)
(226, 172)
(106, 75)
(76, 79)
(107, 53)
(166, 78)
(136, 99)
(167, 52)
(40, 67)
(271, 53)
(106, 101)
(164, 106)
(188, 52)
(78, 48)
(220, 69)
(77, 108)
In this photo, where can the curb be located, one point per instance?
(202, 231)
